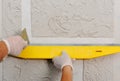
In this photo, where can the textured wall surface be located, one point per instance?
(0, 36)
(72, 18)
(11, 17)
(61, 18)
(27, 70)
(100, 69)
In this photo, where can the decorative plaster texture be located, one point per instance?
(35, 70)
(1, 71)
(27, 70)
(0, 19)
(0, 36)
(99, 69)
(102, 69)
(11, 17)
(72, 18)
(16, 69)
(116, 67)
(61, 18)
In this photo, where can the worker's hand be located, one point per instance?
(3, 50)
(15, 45)
(63, 60)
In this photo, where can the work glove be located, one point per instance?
(15, 45)
(63, 60)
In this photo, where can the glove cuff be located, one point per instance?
(7, 44)
(67, 65)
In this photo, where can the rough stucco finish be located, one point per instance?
(72, 18)
(35, 70)
(99, 69)
(14, 69)
(0, 19)
(27, 70)
(116, 67)
(0, 36)
(102, 69)
(11, 17)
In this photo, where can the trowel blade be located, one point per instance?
(24, 35)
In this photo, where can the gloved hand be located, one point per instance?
(63, 60)
(15, 45)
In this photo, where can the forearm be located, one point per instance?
(66, 73)
(3, 50)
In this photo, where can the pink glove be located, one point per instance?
(15, 45)
(63, 60)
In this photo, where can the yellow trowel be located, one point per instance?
(76, 52)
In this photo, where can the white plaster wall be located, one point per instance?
(102, 69)
(27, 70)
(99, 69)
(72, 18)
(0, 36)
(11, 17)
(0, 18)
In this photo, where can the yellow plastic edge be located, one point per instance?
(77, 52)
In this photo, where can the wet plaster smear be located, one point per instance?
(61, 18)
